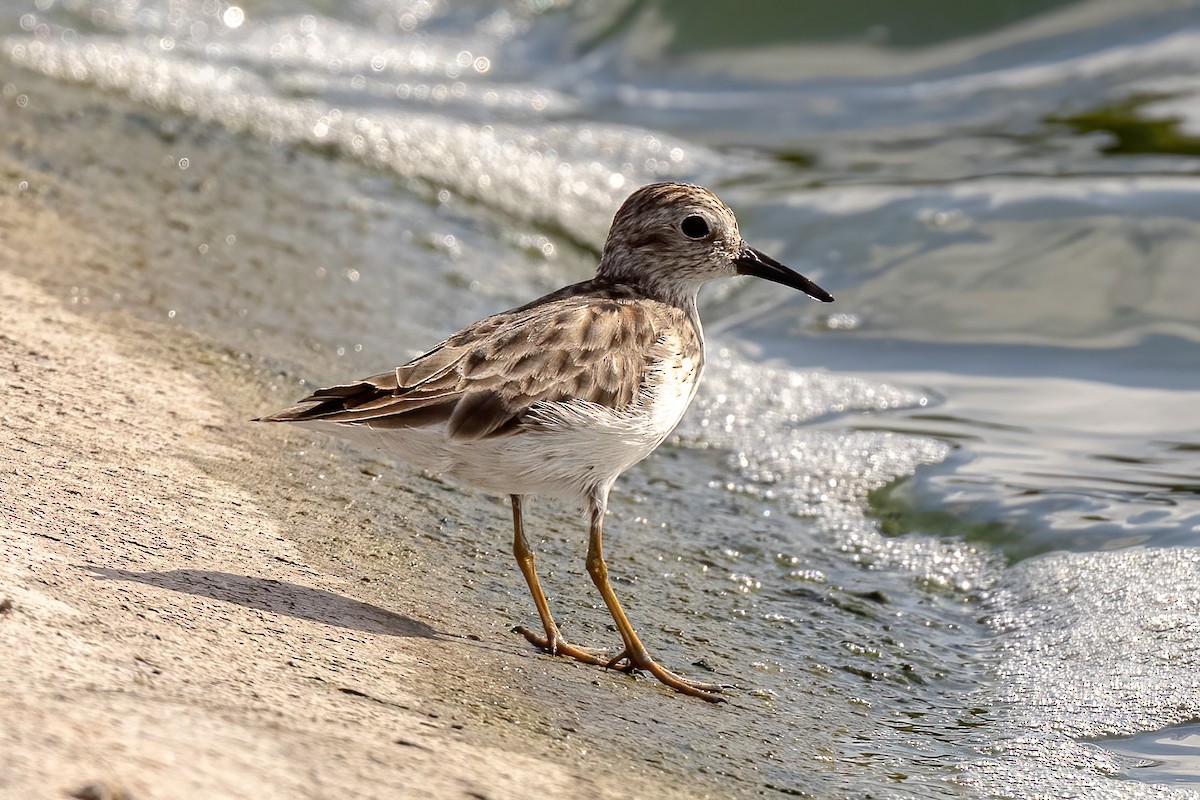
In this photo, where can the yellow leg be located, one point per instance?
(635, 652)
(553, 642)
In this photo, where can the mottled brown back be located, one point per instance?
(592, 341)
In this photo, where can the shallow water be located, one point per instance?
(1166, 756)
(943, 530)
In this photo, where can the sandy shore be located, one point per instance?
(183, 615)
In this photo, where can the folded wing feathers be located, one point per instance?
(482, 380)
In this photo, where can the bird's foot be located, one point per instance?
(625, 661)
(555, 645)
(640, 659)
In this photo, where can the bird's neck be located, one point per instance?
(666, 289)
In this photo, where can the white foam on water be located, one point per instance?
(762, 415)
(1089, 645)
(567, 175)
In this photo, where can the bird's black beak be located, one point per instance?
(760, 265)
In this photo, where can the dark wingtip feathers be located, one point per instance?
(332, 400)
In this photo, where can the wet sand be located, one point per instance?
(183, 612)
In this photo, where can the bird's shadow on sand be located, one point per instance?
(279, 597)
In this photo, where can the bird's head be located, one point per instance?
(671, 238)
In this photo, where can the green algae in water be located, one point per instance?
(901, 509)
(1132, 133)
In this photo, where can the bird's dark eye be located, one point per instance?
(694, 227)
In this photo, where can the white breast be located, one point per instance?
(667, 395)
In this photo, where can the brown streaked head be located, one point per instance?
(670, 238)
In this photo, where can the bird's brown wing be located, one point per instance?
(484, 379)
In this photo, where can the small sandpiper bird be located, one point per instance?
(560, 396)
